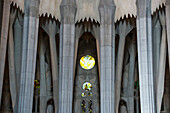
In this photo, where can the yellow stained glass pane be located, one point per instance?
(87, 86)
(90, 94)
(87, 62)
(83, 94)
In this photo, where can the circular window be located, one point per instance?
(87, 62)
(87, 86)
(90, 94)
(83, 94)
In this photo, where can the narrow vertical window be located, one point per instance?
(90, 106)
(83, 106)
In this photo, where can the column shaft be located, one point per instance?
(43, 89)
(12, 74)
(107, 56)
(29, 52)
(144, 42)
(67, 41)
(162, 64)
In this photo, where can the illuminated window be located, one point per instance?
(83, 94)
(90, 94)
(83, 106)
(87, 86)
(87, 62)
(90, 106)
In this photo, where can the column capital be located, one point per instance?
(167, 2)
(31, 8)
(107, 11)
(68, 11)
(143, 8)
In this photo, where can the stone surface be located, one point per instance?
(51, 29)
(123, 29)
(145, 60)
(3, 43)
(12, 73)
(107, 56)
(168, 25)
(29, 52)
(162, 64)
(67, 43)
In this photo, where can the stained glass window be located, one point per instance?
(90, 106)
(37, 84)
(83, 106)
(83, 94)
(87, 86)
(90, 94)
(87, 62)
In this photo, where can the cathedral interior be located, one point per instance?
(84, 56)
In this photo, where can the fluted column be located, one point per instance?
(168, 25)
(107, 56)
(67, 43)
(144, 44)
(29, 52)
(3, 43)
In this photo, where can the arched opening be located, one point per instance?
(86, 85)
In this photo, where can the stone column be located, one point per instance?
(144, 42)
(3, 43)
(67, 41)
(156, 45)
(130, 86)
(51, 29)
(43, 89)
(1, 12)
(123, 30)
(168, 25)
(29, 52)
(107, 56)
(18, 31)
(162, 64)
(12, 74)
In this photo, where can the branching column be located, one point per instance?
(29, 52)
(18, 25)
(12, 74)
(156, 37)
(144, 42)
(132, 60)
(123, 30)
(107, 56)
(67, 43)
(162, 64)
(51, 29)
(43, 89)
(3, 43)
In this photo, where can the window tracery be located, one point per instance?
(87, 62)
